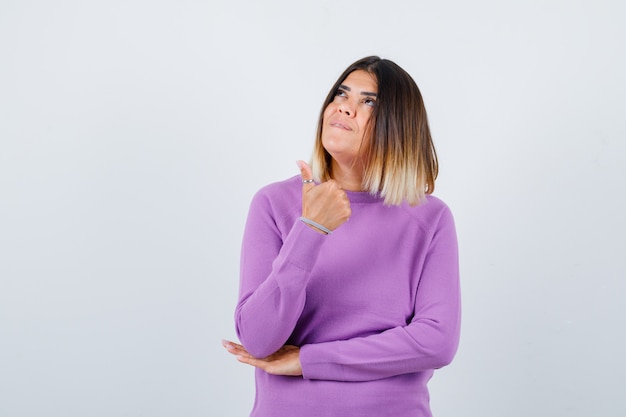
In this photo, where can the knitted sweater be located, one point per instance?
(374, 306)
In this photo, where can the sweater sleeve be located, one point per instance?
(274, 276)
(428, 342)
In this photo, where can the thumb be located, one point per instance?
(306, 175)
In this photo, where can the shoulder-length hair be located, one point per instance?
(401, 162)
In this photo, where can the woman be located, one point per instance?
(349, 294)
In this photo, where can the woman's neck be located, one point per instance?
(349, 177)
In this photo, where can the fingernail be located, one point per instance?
(299, 163)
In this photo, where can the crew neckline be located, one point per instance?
(362, 197)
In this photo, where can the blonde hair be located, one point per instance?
(401, 159)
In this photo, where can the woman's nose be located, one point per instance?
(346, 109)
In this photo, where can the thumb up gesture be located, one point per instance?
(326, 204)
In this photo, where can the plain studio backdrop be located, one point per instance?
(134, 134)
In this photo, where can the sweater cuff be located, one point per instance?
(315, 367)
(303, 245)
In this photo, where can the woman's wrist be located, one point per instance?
(315, 225)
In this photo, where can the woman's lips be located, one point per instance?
(340, 125)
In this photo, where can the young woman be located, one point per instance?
(349, 294)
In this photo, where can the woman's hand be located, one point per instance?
(285, 361)
(326, 203)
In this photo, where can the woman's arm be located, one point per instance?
(275, 272)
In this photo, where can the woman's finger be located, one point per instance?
(235, 348)
(306, 175)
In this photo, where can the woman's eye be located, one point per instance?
(340, 93)
(370, 102)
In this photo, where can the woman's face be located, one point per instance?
(346, 117)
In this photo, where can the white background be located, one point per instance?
(134, 133)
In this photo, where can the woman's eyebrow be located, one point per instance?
(363, 93)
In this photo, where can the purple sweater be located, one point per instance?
(375, 306)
